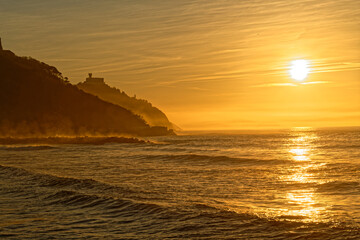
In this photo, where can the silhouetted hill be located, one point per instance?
(145, 109)
(36, 101)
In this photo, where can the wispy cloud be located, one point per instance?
(316, 82)
(275, 85)
(288, 84)
(331, 66)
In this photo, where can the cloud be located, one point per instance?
(275, 85)
(288, 84)
(331, 66)
(316, 82)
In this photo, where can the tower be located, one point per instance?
(94, 80)
(1, 48)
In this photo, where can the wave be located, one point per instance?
(329, 188)
(198, 158)
(115, 205)
(341, 146)
(112, 200)
(70, 140)
(27, 148)
(220, 222)
(345, 168)
(343, 187)
(47, 180)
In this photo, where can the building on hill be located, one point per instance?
(91, 79)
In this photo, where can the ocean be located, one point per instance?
(301, 183)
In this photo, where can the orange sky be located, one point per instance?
(206, 64)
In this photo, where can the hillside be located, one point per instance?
(36, 101)
(152, 115)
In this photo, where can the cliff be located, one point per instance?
(152, 115)
(36, 101)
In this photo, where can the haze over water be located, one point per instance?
(290, 184)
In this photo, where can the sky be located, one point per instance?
(207, 64)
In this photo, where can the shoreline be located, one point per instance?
(70, 140)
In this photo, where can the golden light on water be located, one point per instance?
(300, 147)
(299, 69)
(300, 154)
(300, 200)
(306, 203)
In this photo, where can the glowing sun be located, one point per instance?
(299, 69)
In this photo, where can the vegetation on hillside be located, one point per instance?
(37, 101)
(152, 115)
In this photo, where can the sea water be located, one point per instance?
(300, 183)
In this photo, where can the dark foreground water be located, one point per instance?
(296, 184)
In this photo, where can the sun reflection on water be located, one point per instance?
(300, 154)
(294, 196)
(302, 203)
(306, 205)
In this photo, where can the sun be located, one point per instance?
(299, 69)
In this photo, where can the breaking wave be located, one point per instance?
(27, 148)
(70, 140)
